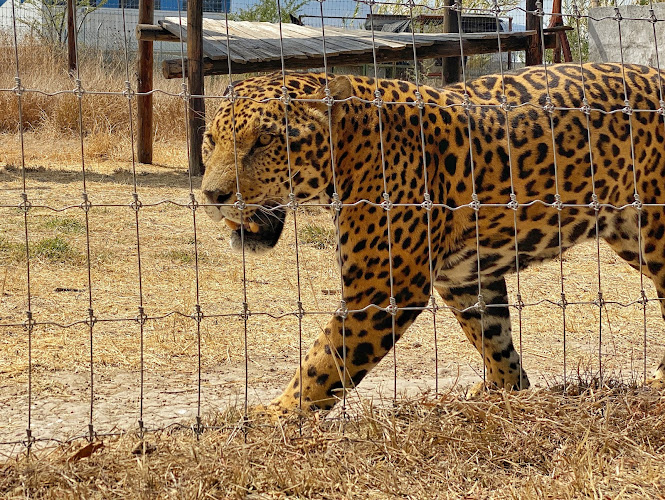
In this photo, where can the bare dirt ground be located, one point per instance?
(60, 364)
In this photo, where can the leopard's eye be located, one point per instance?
(208, 145)
(264, 140)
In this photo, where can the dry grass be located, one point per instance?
(104, 111)
(540, 444)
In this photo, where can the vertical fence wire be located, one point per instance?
(549, 110)
(480, 306)
(135, 205)
(86, 206)
(24, 206)
(240, 206)
(293, 202)
(637, 201)
(427, 201)
(336, 205)
(387, 204)
(513, 204)
(653, 20)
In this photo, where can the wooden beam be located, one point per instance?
(196, 110)
(71, 36)
(172, 68)
(450, 66)
(153, 32)
(534, 53)
(144, 84)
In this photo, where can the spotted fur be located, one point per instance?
(479, 152)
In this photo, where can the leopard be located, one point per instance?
(445, 190)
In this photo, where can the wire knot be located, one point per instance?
(627, 108)
(78, 90)
(617, 15)
(240, 203)
(481, 305)
(549, 106)
(198, 314)
(92, 319)
(600, 301)
(513, 204)
(293, 203)
(419, 100)
(230, 94)
(25, 204)
(142, 317)
(519, 303)
(328, 100)
(336, 204)
(193, 204)
(86, 204)
(285, 97)
(386, 204)
(557, 202)
(342, 311)
(184, 92)
(475, 202)
(136, 204)
(505, 106)
(539, 8)
(18, 88)
(563, 303)
(594, 202)
(427, 204)
(392, 307)
(29, 322)
(652, 16)
(128, 92)
(466, 103)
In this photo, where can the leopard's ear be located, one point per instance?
(340, 87)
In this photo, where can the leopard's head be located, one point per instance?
(252, 169)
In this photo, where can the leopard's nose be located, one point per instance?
(218, 197)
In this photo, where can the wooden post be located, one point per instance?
(196, 111)
(144, 84)
(71, 36)
(534, 54)
(450, 66)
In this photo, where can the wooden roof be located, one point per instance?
(258, 46)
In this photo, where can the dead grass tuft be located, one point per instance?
(105, 116)
(539, 444)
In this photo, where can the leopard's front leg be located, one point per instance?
(346, 351)
(352, 343)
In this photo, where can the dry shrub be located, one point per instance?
(43, 71)
(534, 444)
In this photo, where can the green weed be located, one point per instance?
(65, 225)
(317, 236)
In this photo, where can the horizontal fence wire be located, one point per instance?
(137, 203)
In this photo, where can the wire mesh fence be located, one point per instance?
(106, 330)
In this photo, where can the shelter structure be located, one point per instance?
(234, 47)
